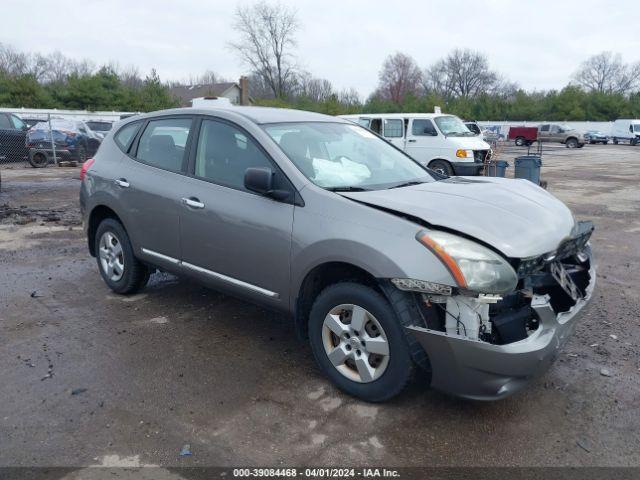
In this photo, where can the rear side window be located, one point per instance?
(544, 128)
(393, 127)
(125, 135)
(163, 143)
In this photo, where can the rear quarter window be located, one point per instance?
(125, 135)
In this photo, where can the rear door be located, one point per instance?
(232, 238)
(544, 133)
(423, 141)
(393, 131)
(150, 184)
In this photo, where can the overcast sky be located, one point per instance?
(537, 44)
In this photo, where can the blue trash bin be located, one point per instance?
(497, 168)
(528, 167)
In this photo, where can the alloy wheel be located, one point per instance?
(355, 343)
(111, 256)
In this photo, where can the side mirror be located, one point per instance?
(260, 180)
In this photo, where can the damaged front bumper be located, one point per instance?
(484, 371)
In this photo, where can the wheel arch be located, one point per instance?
(320, 277)
(97, 215)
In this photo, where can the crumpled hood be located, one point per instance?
(516, 217)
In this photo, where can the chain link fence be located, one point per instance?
(32, 138)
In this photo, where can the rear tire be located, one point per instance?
(615, 141)
(520, 142)
(38, 160)
(120, 269)
(337, 306)
(81, 154)
(442, 167)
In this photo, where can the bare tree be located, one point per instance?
(462, 73)
(606, 73)
(316, 89)
(349, 97)
(58, 68)
(399, 76)
(267, 37)
(13, 62)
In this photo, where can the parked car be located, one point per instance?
(523, 136)
(595, 136)
(626, 130)
(100, 127)
(572, 138)
(440, 142)
(12, 134)
(73, 141)
(473, 127)
(31, 121)
(385, 266)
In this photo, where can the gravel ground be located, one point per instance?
(92, 378)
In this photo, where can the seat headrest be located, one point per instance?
(294, 145)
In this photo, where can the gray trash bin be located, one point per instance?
(528, 167)
(497, 168)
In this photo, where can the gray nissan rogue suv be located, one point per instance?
(389, 269)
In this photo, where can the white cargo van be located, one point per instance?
(626, 130)
(440, 141)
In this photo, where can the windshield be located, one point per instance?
(453, 127)
(345, 157)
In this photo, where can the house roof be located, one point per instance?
(186, 93)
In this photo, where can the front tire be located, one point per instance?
(359, 343)
(120, 269)
(442, 167)
(572, 143)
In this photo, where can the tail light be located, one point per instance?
(85, 167)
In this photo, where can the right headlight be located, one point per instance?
(473, 266)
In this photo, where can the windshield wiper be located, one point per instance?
(406, 184)
(347, 189)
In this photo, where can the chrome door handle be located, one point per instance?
(121, 182)
(193, 202)
(411, 141)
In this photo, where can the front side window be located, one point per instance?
(125, 135)
(423, 127)
(452, 126)
(163, 143)
(17, 123)
(393, 127)
(224, 154)
(636, 127)
(342, 156)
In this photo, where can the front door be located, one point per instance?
(423, 141)
(233, 238)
